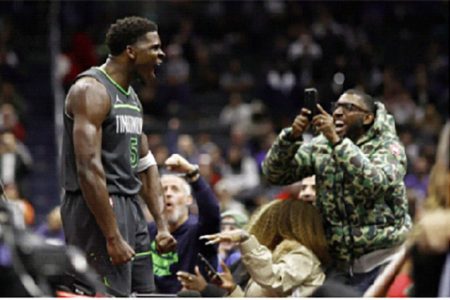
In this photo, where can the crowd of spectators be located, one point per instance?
(15, 158)
(233, 78)
(247, 72)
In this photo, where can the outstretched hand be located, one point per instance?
(237, 236)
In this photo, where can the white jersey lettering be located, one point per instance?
(128, 124)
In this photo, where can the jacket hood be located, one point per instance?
(384, 124)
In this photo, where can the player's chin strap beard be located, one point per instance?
(137, 80)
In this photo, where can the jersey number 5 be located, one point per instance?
(134, 156)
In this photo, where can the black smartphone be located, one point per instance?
(212, 272)
(310, 101)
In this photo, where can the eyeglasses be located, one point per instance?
(348, 107)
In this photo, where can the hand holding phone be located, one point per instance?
(212, 272)
(307, 113)
(310, 101)
(192, 282)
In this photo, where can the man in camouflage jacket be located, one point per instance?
(359, 165)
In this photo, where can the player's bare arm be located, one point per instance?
(151, 192)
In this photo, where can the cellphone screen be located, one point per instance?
(311, 98)
(212, 272)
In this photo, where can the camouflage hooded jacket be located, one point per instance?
(360, 189)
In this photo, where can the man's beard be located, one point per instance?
(355, 130)
(137, 80)
(146, 73)
(173, 216)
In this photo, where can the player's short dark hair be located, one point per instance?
(365, 98)
(127, 31)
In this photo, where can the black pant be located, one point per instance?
(81, 230)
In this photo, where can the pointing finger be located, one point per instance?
(321, 109)
(207, 237)
(305, 111)
(197, 271)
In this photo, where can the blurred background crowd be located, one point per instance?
(233, 76)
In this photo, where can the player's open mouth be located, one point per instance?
(156, 67)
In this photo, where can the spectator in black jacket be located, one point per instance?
(185, 228)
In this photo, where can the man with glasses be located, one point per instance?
(359, 165)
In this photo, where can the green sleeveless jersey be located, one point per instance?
(121, 140)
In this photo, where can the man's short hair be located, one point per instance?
(365, 98)
(127, 31)
(187, 189)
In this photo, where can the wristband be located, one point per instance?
(190, 176)
(146, 162)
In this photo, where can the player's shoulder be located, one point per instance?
(87, 96)
(90, 91)
(87, 85)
